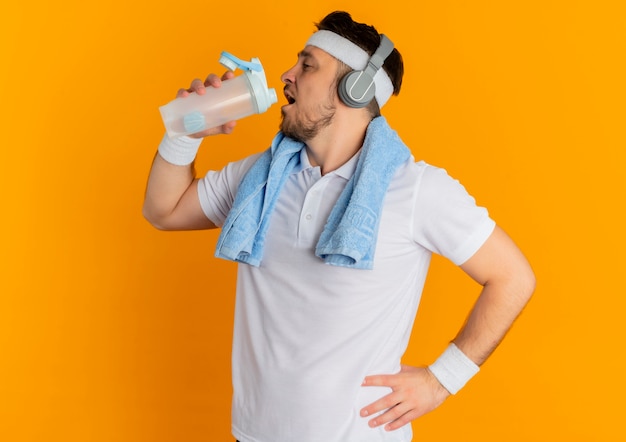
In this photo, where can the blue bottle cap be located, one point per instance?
(229, 61)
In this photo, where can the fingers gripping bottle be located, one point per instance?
(237, 98)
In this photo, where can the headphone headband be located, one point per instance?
(378, 58)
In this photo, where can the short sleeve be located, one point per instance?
(446, 218)
(217, 189)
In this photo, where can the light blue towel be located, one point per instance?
(349, 237)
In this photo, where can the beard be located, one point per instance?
(303, 127)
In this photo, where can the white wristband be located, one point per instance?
(453, 369)
(180, 151)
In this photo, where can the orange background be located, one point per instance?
(113, 331)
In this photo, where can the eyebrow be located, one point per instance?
(305, 53)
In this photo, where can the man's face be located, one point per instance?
(311, 92)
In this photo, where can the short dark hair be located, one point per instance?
(366, 37)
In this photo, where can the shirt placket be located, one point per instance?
(310, 223)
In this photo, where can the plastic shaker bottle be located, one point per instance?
(237, 98)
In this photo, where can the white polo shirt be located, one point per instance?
(306, 333)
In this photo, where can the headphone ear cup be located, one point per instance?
(356, 83)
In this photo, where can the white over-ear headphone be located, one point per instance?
(357, 88)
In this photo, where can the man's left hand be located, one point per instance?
(415, 392)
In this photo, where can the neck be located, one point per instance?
(338, 142)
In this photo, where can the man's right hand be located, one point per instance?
(199, 87)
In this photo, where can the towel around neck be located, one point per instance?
(351, 231)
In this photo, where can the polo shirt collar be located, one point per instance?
(345, 171)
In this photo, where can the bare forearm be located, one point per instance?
(167, 183)
(492, 316)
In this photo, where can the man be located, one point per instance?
(334, 227)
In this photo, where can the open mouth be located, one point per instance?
(290, 99)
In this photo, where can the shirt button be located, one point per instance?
(309, 217)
